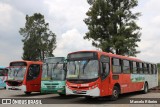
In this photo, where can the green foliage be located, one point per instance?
(112, 26)
(39, 42)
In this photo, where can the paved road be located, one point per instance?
(69, 101)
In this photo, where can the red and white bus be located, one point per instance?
(25, 76)
(97, 74)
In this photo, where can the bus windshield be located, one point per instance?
(16, 72)
(82, 69)
(3, 72)
(53, 71)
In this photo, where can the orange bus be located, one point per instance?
(25, 76)
(97, 74)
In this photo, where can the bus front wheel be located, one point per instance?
(115, 93)
(145, 88)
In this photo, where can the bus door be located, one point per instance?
(34, 78)
(105, 62)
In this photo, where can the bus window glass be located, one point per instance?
(126, 66)
(134, 67)
(145, 70)
(105, 66)
(140, 68)
(58, 72)
(154, 69)
(82, 69)
(149, 68)
(44, 69)
(116, 65)
(16, 72)
(2, 72)
(33, 72)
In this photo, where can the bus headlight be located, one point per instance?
(60, 86)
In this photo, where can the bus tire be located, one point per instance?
(145, 88)
(115, 93)
(27, 93)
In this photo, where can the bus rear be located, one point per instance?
(24, 76)
(3, 76)
(53, 76)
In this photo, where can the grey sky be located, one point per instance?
(65, 18)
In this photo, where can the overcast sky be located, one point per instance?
(65, 18)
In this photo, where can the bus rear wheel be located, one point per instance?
(145, 88)
(115, 93)
(27, 93)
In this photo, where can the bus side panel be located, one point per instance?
(151, 80)
(125, 83)
(105, 86)
(114, 79)
(137, 82)
(34, 85)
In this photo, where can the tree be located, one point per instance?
(112, 26)
(39, 42)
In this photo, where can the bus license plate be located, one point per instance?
(59, 91)
(13, 88)
(77, 91)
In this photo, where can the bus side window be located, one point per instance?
(145, 68)
(33, 72)
(154, 69)
(149, 68)
(134, 68)
(105, 66)
(117, 68)
(126, 66)
(140, 69)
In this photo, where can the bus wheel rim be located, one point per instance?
(146, 88)
(115, 93)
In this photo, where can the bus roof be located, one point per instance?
(29, 62)
(110, 54)
(2, 67)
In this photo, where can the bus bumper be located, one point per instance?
(54, 91)
(92, 92)
(22, 88)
